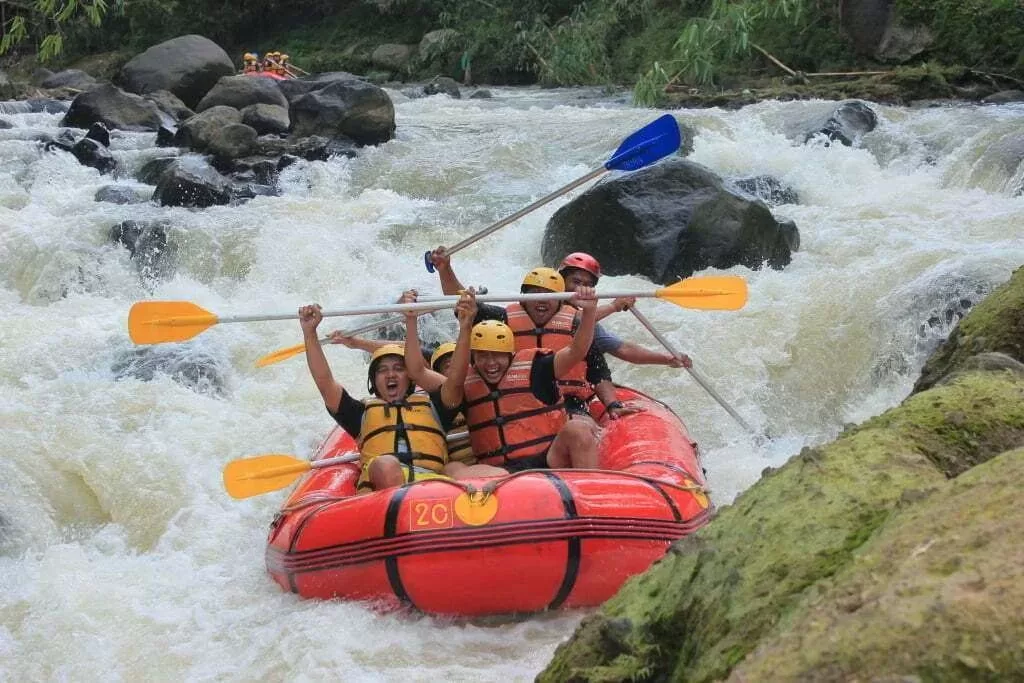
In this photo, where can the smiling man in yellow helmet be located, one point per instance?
(401, 433)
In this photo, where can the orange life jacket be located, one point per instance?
(556, 334)
(508, 422)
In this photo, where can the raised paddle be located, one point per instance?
(291, 351)
(654, 141)
(250, 477)
(157, 322)
(693, 373)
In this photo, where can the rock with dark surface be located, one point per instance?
(69, 78)
(188, 66)
(99, 133)
(117, 194)
(40, 74)
(114, 108)
(354, 109)
(876, 30)
(481, 94)
(1005, 97)
(847, 124)
(393, 56)
(191, 181)
(197, 132)
(266, 118)
(668, 221)
(191, 364)
(93, 154)
(996, 325)
(146, 243)
(769, 190)
(4, 124)
(295, 88)
(233, 141)
(170, 104)
(165, 136)
(443, 85)
(241, 91)
(154, 168)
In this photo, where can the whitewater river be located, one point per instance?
(121, 557)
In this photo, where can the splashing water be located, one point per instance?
(120, 555)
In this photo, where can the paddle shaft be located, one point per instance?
(434, 304)
(693, 373)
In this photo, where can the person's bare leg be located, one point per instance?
(575, 446)
(386, 471)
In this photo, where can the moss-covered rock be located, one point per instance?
(994, 325)
(936, 595)
(746, 577)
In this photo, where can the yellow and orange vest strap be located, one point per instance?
(556, 334)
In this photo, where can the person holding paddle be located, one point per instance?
(400, 433)
(512, 402)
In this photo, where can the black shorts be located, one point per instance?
(534, 462)
(576, 406)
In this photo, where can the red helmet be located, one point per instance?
(583, 261)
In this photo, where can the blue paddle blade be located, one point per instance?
(427, 262)
(654, 141)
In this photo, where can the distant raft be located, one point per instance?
(532, 541)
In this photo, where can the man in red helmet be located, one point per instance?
(580, 269)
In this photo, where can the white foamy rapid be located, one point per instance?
(121, 557)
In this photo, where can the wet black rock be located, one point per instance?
(191, 181)
(190, 364)
(847, 124)
(147, 244)
(118, 194)
(669, 221)
(769, 190)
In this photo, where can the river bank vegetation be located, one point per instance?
(665, 48)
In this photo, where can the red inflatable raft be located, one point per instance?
(535, 540)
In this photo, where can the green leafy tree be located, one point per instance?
(723, 36)
(44, 21)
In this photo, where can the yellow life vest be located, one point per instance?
(408, 429)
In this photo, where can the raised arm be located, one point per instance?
(452, 391)
(638, 355)
(330, 390)
(368, 345)
(415, 364)
(576, 352)
(450, 284)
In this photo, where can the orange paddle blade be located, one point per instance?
(252, 476)
(157, 322)
(708, 293)
(280, 355)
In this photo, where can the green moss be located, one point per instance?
(973, 32)
(724, 589)
(994, 325)
(922, 601)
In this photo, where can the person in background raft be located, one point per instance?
(400, 433)
(250, 63)
(580, 269)
(512, 403)
(460, 454)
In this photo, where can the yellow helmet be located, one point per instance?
(492, 335)
(442, 351)
(248, 56)
(285, 58)
(545, 278)
(386, 350)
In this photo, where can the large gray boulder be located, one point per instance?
(350, 108)
(876, 30)
(114, 108)
(170, 104)
(393, 56)
(846, 124)
(188, 66)
(668, 221)
(294, 88)
(266, 118)
(197, 131)
(241, 91)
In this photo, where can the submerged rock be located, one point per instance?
(189, 364)
(668, 221)
(147, 244)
